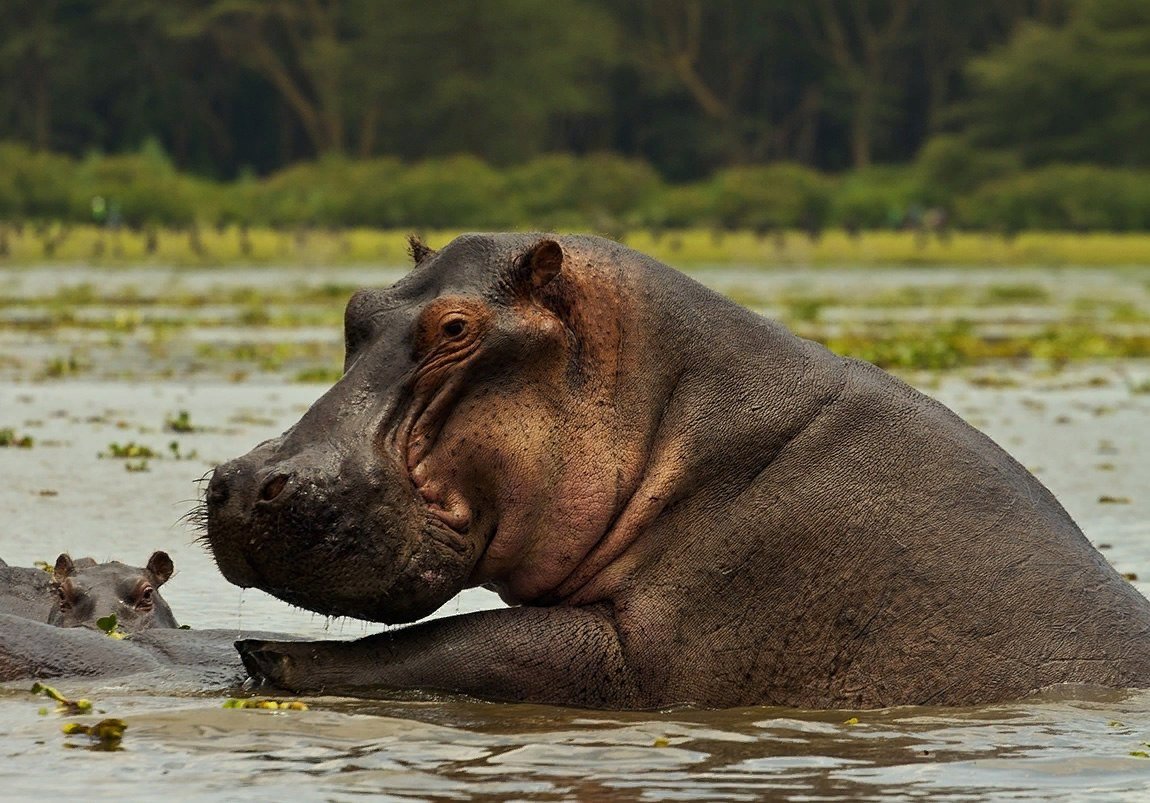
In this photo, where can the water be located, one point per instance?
(1083, 431)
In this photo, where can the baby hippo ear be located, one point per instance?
(64, 568)
(160, 566)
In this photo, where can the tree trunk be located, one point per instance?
(862, 122)
(42, 108)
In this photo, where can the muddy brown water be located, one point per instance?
(1085, 431)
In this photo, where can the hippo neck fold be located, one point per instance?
(753, 381)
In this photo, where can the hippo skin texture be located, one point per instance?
(684, 503)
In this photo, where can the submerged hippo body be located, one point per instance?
(687, 503)
(25, 593)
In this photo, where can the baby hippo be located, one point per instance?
(86, 591)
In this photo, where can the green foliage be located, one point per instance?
(458, 191)
(982, 189)
(139, 189)
(228, 86)
(561, 190)
(34, 184)
(771, 197)
(1074, 197)
(877, 197)
(949, 165)
(331, 192)
(1079, 92)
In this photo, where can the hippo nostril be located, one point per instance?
(217, 489)
(273, 487)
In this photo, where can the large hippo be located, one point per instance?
(685, 503)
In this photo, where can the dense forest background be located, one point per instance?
(677, 90)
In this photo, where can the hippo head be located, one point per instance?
(478, 412)
(87, 591)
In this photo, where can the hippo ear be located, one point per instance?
(541, 264)
(64, 568)
(161, 567)
(418, 249)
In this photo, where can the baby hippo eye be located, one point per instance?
(145, 600)
(454, 327)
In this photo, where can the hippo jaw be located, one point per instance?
(351, 542)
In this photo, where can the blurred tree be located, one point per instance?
(488, 77)
(734, 61)
(1076, 92)
(297, 46)
(691, 86)
(864, 42)
(29, 55)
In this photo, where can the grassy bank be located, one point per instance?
(691, 247)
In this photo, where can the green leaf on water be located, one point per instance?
(105, 734)
(64, 705)
(107, 623)
(1139, 754)
(266, 704)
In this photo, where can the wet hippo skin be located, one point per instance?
(685, 503)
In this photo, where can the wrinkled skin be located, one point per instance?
(154, 652)
(686, 503)
(85, 591)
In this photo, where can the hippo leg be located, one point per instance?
(567, 656)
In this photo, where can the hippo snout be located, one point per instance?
(239, 486)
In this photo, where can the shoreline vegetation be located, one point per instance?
(38, 244)
(954, 204)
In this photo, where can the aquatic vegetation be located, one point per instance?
(103, 735)
(9, 438)
(63, 704)
(129, 450)
(1107, 499)
(265, 704)
(181, 422)
(110, 626)
(959, 344)
(318, 374)
(1015, 294)
(59, 367)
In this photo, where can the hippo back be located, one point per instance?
(25, 592)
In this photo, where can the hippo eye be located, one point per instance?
(454, 327)
(146, 597)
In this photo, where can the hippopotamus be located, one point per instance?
(48, 627)
(77, 593)
(682, 502)
(87, 591)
